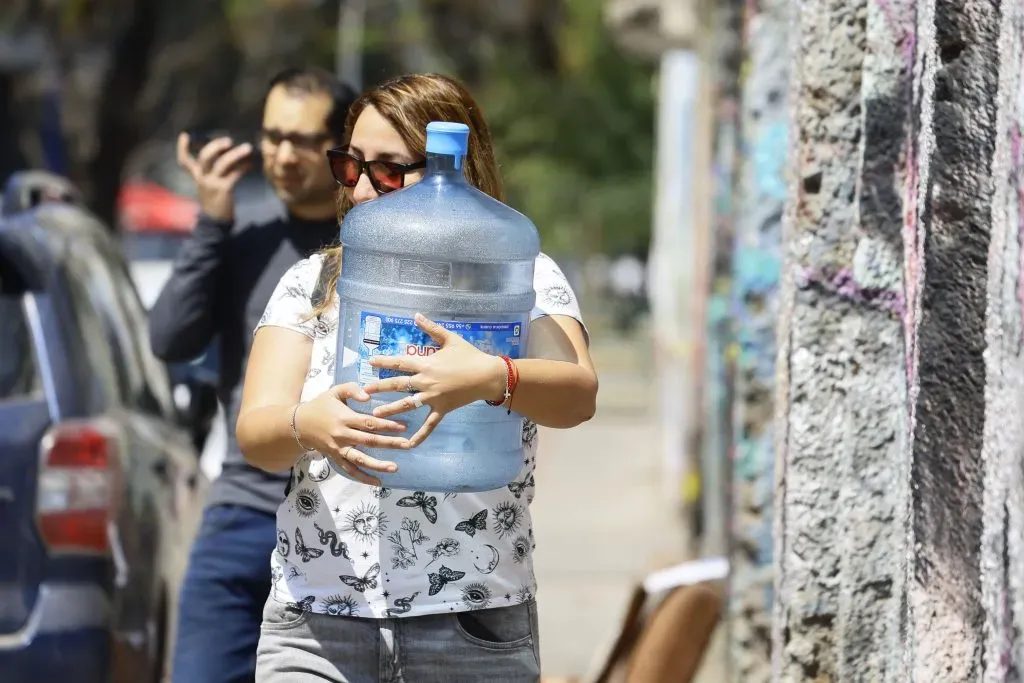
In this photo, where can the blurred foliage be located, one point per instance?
(573, 118)
(577, 145)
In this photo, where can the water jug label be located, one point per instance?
(389, 335)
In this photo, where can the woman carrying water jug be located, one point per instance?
(378, 583)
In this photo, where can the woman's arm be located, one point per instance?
(557, 382)
(557, 391)
(278, 363)
(277, 369)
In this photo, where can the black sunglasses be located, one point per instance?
(385, 176)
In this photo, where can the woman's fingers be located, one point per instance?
(371, 423)
(428, 426)
(356, 473)
(401, 406)
(409, 364)
(364, 461)
(398, 384)
(370, 440)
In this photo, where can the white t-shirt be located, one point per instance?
(349, 549)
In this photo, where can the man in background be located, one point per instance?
(220, 285)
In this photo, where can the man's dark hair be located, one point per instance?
(314, 80)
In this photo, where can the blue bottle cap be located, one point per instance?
(444, 137)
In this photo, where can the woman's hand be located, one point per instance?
(456, 375)
(331, 427)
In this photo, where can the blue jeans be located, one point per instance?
(222, 599)
(492, 645)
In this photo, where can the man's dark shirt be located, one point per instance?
(219, 288)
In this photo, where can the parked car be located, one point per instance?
(100, 486)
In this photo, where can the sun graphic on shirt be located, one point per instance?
(340, 606)
(366, 523)
(508, 517)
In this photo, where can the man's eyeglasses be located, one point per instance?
(385, 176)
(308, 142)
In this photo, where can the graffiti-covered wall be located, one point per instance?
(898, 507)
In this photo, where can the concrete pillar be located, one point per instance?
(900, 491)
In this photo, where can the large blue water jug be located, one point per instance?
(442, 248)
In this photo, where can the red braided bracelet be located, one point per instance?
(511, 380)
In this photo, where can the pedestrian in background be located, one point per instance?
(220, 287)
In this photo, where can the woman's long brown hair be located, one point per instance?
(409, 103)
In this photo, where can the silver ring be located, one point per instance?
(344, 452)
(417, 401)
(408, 385)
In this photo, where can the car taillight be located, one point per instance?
(78, 487)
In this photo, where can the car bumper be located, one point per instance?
(66, 637)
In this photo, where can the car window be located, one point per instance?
(98, 371)
(94, 269)
(154, 372)
(19, 370)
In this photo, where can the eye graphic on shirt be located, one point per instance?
(507, 518)
(303, 550)
(520, 549)
(477, 522)
(442, 578)
(340, 606)
(283, 544)
(476, 596)
(307, 503)
(366, 581)
(428, 504)
(366, 523)
(381, 492)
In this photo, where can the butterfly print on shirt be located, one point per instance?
(477, 522)
(364, 582)
(442, 578)
(305, 604)
(304, 551)
(517, 487)
(419, 499)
